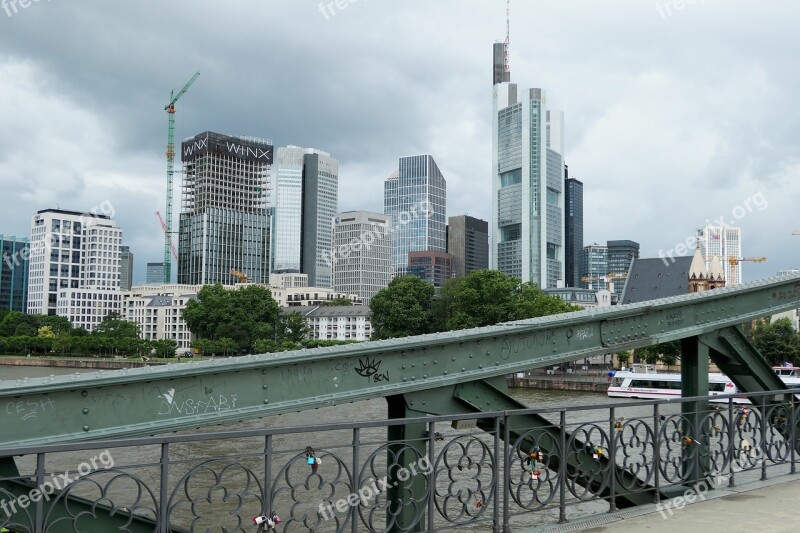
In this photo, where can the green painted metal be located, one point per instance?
(408, 444)
(154, 400)
(694, 382)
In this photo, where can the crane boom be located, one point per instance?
(168, 236)
(170, 109)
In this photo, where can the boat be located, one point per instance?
(644, 381)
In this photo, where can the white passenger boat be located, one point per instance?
(643, 381)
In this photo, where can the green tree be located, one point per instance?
(271, 346)
(165, 347)
(113, 327)
(58, 324)
(402, 309)
(292, 326)
(777, 341)
(15, 323)
(242, 315)
(46, 332)
(337, 302)
(488, 297)
(62, 343)
(623, 358)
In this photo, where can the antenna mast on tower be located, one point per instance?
(507, 67)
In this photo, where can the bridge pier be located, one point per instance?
(408, 493)
(694, 382)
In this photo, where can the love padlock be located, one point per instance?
(269, 521)
(535, 474)
(618, 423)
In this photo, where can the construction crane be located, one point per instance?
(736, 260)
(242, 277)
(170, 109)
(167, 236)
(607, 279)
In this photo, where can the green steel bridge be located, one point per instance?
(448, 374)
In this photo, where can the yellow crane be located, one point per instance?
(736, 260)
(607, 279)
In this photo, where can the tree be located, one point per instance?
(488, 297)
(165, 347)
(113, 327)
(292, 326)
(402, 309)
(777, 341)
(242, 316)
(337, 302)
(46, 332)
(623, 358)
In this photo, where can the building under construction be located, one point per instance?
(224, 222)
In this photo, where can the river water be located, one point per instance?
(143, 461)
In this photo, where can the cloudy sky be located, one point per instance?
(677, 111)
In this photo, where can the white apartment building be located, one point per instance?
(157, 309)
(339, 323)
(362, 253)
(74, 266)
(724, 242)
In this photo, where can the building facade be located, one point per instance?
(157, 310)
(573, 230)
(346, 323)
(224, 222)
(468, 244)
(14, 253)
(306, 201)
(527, 185)
(586, 298)
(415, 196)
(74, 266)
(594, 265)
(724, 242)
(125, 268)
(434, 267)
(155, 274)
(362, 253)
(620, 256)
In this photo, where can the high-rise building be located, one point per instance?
(306, 201)
(724, 242)
(620, 256)
(74, 268)
(362, 253)
(573, 230)
(527, 184)
(468, 244)
(155, 273)
(224, 222)
(125, 268)
(13, 273)
(415, 196)
(594, 265)
(434, 267)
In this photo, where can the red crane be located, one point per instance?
(167, 235)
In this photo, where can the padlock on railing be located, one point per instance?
(312, 460)
(269, 522)
(618, 423)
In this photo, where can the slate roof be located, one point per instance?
(652, 278)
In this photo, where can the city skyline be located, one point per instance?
(630, 109)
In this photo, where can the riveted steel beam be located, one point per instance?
(154, 400)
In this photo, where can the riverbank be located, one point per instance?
(95, 364)
(582, 382)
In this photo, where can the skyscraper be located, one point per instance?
(362, 253)
(74, 268)
(224, 222)
(468, 244)
(125, 268)
(594, 264)
(527, 184)
(724, 242)
(306, 202)
(620, 256)
(434, 267)
(13, 273)
(155, 273)
(573, 225)
(415, 196)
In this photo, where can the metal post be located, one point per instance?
(562, 469)
(506, 472)
(432, 475)
(496, 488)
(40, 466)
(164, 489)
(356, 466)
(793, 432)
(656, 452)
(268, 474)
(694, 382)
(612, 452)
(732, 436)
(763, 451)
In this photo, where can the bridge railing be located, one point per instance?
(338, 477)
